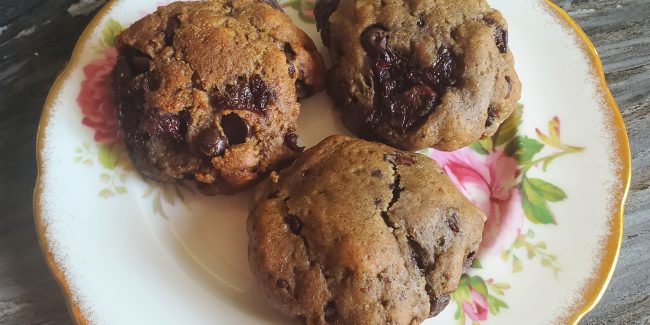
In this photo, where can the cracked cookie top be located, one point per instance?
(420, 73)
(208, 91)
(356, 232)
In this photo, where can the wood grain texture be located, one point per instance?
(37, 37)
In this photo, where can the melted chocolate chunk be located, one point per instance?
(438, 304)
(491, 115)
(170, 30)
(303, 90)
(235, 128)
(282, 283)
(404, 160)
(373, 40)
(291, 141)
(330, 314)
(130, 91)
(322, 12)
(418, 254)
(164, 124)
(291, 56)
(501, 38)
(452, 222)
(153, 80)
(211, 142)
(467, 261)
(294, 224)
(139, 62)
(250, 94)
(405, 94)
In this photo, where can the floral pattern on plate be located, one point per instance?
(492, 173)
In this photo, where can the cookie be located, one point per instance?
(420, 73)
(209, 91)
(356, 232)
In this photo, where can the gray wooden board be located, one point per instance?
(37, 37)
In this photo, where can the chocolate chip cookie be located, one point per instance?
(208, 91)
(420, 73)
(356, 232)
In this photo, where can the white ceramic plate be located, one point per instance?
(552, 183)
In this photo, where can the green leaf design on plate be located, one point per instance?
(106, 193)
(545, 189)
(110, 31)
(508, 128)
(536, 211)
(476, 264)
(107, 156)
(516, 264)
(523, 148)
(476, 146)
(478, 284)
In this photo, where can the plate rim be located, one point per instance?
(592, 291)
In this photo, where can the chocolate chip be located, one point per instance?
(153, 80)
(170, 30)
(235, 128)
(489, 20)
(441, 241)
(418, 254)
(196, 82)
(303, 90)
(374, 39)
(452, 222)
(322, 12)
(491, 115)
(501, 38)
(288, 52)
(438, 303)
(291, 55)
(420, 22)
(294, 224)
(375, 173)
(330, 313)
(378, 202)
(164, 124)
(250, 94)
(212, 143)
(291, 141)
(509, 81)
(405, 93)
(139, 64)
(404, 160)
(467, 261)
(282, 283)
(122, 69)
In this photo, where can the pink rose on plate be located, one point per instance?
(489, 181)
(96, 97)
(476, 308)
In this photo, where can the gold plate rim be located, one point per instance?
(592, 292)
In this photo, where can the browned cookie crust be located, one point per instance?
(356, 232)
(420, 73)
(208, 91)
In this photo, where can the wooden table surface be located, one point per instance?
(37, 37)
